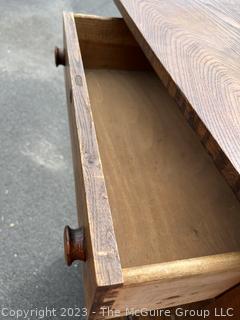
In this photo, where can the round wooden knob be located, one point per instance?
(59, 57)
(74, 248)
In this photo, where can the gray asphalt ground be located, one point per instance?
(37, 195)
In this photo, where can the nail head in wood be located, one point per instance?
(59, 56)
(74, 248)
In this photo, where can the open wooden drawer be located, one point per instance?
(161, 226)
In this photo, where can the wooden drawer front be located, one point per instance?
(161, 225)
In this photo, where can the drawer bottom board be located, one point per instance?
(168, 200)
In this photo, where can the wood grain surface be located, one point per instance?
(228, 300)
(179, 282)
(207, 309)
(194, 46)
(168, 200)
(102, 270)
(169, 313)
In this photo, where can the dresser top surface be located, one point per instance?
(197, 43)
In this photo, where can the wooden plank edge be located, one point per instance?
(94, 16)
(180, 269)
(108, 271)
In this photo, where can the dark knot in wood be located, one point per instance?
(74, 246)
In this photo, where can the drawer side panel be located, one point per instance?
(102, 270)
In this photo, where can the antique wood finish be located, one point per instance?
(74, 245)
(228, 300)
(194, 48)
(108, 43)
(169, 313)
(172, 234)
(167, 198)
(179, 282)
(102, 270)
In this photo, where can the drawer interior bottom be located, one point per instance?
(168, 200)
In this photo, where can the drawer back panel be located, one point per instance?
(107, 43)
